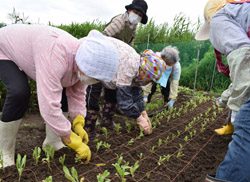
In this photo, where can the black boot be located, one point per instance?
(90, 122)
(211, 178)
(108, 112)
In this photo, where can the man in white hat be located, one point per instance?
(227, 26)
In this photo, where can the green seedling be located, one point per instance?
(121, 169)
(178, 133)
(131, 141)
(105, 132)
(128, 125)
(135, 125)
(48, 179)
(49, 150)
(167, 157)
(140, 155)
(98, 146)
(62, 159)
(166, 140)
(20, 164)
(133, 169)
(141, 134)
(47, 160)
(194, 132)
(117, 128)
(161, 159)
(148, 175)
(159, 142)
(103, 177)
(181, 147)
(1, 160)
(73, 177)
(36, 154)
(190, 134)
(173, 136)
(186, 139)
(179, 154)
(107, 146)
(152, 149)
(77, 160)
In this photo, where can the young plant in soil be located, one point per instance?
(133, 168)
(62, 159)
(105, 132)
(36, 154)
(186, 139)
(152, 148)
(166, 140)
(48, 179)
(162, 159)
(107, 146)
(117, 128)
(20, 164)
(141, 134)
(128, 125)
(49, 150)
(77, 160)
(98, 146)
(140, 155)
(73, 177)
(103, 177)
(1, 161)
(121, 169)
(131, 141)
(159, 142)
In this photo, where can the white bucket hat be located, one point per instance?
(210, 9)
(97, 57)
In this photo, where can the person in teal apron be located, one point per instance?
(169, 82)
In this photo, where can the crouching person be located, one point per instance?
(134, 70)
(49, 56)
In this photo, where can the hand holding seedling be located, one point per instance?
(82, 150)
(78, 125)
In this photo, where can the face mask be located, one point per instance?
(86, 80)
(134, 18)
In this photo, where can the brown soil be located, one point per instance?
(200, 155)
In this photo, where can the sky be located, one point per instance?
(79, 11)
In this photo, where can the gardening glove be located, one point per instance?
(142, 122)
(219, 102)
(145, 115)
(170, 104)
(82, 150)
(78, 125)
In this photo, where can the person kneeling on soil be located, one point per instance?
(53, 58)
(169, 89)
(227, 25)
(134, 71)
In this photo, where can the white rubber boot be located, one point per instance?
(52, 139)
(8, 132)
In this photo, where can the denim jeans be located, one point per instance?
(236, 164)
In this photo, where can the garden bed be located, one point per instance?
(182, 148)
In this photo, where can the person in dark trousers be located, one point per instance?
(227, 24)
(122, 27)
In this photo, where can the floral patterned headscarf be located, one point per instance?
(152, 66)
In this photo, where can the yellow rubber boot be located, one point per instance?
(225, 130)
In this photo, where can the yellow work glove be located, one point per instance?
(78, 125)
(82, 150)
